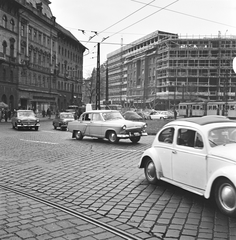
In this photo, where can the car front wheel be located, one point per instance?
(78, 135)
(135, 139)
(112, 137)
(36, 128)
(225, 197)
(150, 171)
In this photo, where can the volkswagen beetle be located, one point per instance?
(198, 155)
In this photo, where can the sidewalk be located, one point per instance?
(46, 118)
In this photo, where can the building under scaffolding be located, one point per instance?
(162, 69)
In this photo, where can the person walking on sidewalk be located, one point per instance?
(49, 113)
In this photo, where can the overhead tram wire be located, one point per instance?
(148, 4)
(189, 15)
(96, 33)
(144, 18)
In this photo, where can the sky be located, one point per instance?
(114, 23)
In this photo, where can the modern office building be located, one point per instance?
(40, 62)
(162, 69)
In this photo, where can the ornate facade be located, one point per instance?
(40, 61)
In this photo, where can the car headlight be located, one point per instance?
(145, 125)
(37, 120)
(18, 120)
(124, 127)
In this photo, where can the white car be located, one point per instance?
(107, 124)
(198, 155)
(159, 115)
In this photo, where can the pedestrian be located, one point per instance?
(0, 115)
(9, 114)
(43, 113)
(175, 113)
(5, 115)
(49, 113)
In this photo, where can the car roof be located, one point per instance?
(22, 110)
(101, 111)
(205, 120)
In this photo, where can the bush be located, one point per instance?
(153, 126)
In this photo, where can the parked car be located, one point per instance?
(61, 120)
(145, 115)
(159, 115)
(25, 119)
(132, 116)
(198, 155)
(108, 124)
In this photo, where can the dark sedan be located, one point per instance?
(61, 120)
(133, 116)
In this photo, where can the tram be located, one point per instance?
(198, 109)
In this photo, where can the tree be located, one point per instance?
(89, 86)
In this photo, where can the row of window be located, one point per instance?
(70, 55)
(5, 23)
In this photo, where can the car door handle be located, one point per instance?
(174, 151)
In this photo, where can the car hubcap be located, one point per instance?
(151, 171)
(113, 137)
(227, 197)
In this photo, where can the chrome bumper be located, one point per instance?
(128, 135)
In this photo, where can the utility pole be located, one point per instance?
(107, 96)
(98, 79)
(121, 80)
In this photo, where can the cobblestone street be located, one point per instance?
(100, 180)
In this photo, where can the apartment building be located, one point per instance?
(36, 72)
(163, 69)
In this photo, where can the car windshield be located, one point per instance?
(67, 115)
(222, 136)
(112, 116)
(26, 114)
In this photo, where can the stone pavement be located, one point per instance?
(23, 218)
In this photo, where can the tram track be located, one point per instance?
(116, 231)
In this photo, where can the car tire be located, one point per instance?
(135, 139)
(225, 197)
(112, 137)
(150, 171)
(36, 128)
(13, 126)
(78, 135)
(54, 126)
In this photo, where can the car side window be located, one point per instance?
(166, 135)
(86, 117)
(189, 138)
(96, 117)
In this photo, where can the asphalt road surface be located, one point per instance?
(100, 181)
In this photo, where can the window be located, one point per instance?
(12, 24)
(22, 30)
(86, 117)
(4, 74)
(189, 138)
(96, 117)
(4, 20)
(166, 135)
(11, 76)
(12, 50)
(35, 34)
(4, 44)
